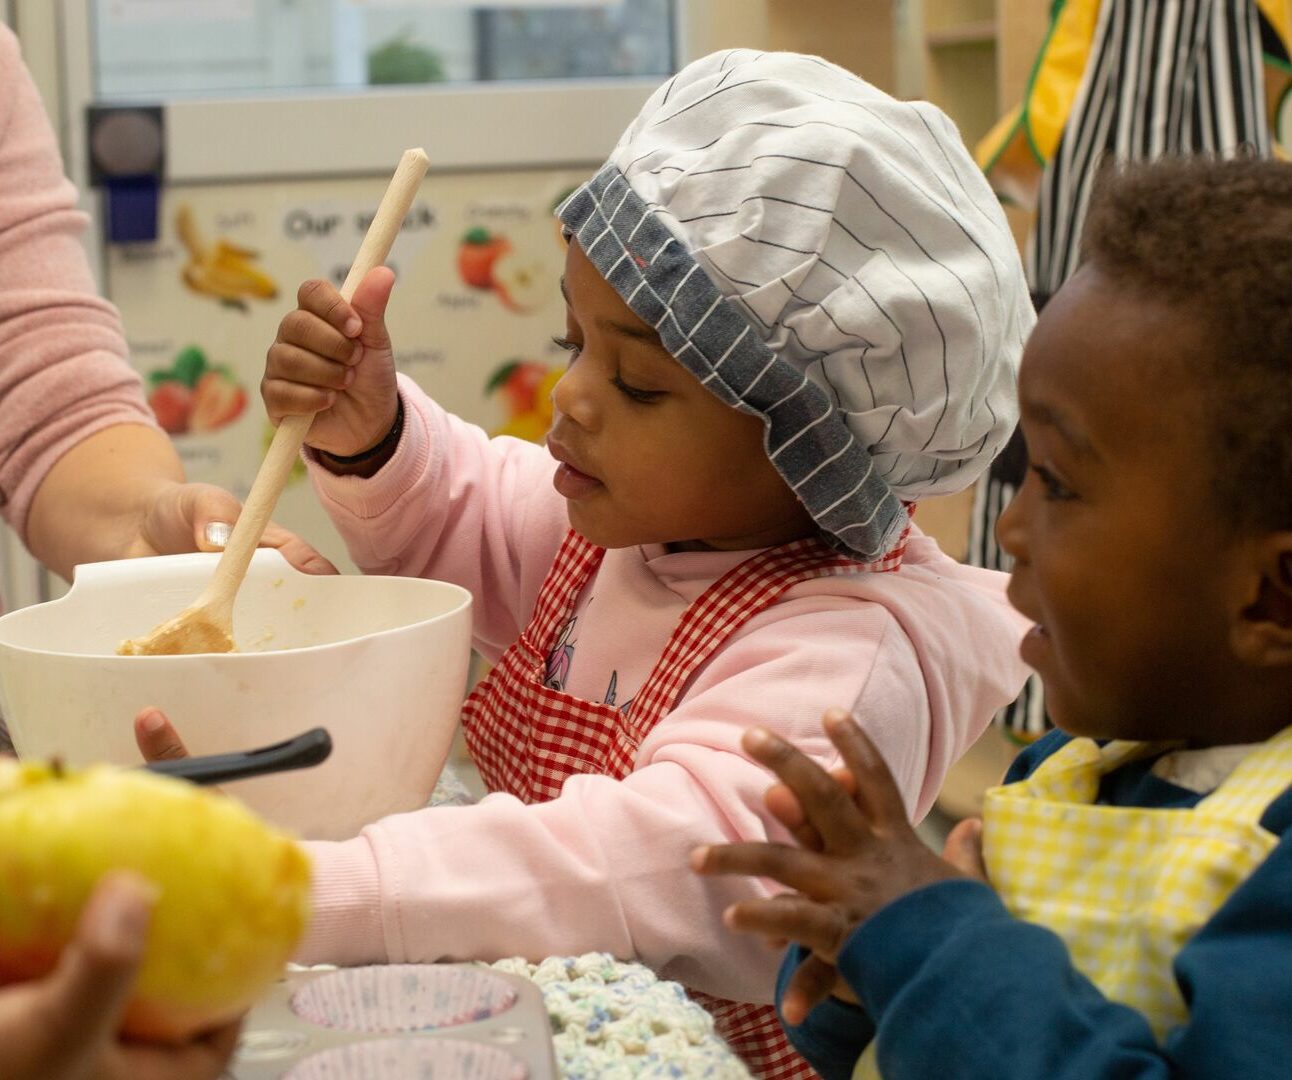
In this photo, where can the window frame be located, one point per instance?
(293, 134)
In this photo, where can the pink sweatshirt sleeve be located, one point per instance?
(604, 866)
(454, 504)
(63, 369)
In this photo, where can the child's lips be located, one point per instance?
(574, 484)
(571, 481)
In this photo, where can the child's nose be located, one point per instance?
(572, 399)
(1011, 534)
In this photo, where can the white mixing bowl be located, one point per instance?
(381, 662)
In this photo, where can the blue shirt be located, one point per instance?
(958, 987)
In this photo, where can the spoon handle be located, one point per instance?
(308, 749)
(290, 436)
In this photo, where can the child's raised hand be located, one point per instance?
(335, 359)
(858, 853)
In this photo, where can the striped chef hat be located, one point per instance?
(826, 257)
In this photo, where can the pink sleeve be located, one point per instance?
(604, 866)
(456, 505)
(63, 369)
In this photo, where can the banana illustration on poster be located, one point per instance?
(477, 301)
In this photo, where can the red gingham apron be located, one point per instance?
(527, 739)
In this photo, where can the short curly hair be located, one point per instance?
(1215, 237)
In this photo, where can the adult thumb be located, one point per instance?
(86, 997)
(369, 301)
(211, 512)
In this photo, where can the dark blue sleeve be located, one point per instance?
(1236, 975)
(834, 1033)
(958, 986)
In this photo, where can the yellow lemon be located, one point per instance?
(233, 893)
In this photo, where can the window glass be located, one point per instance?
(150, 48)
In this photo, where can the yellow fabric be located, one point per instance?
(867, 1067)
(1017, 148)
(1023, 141)
(1125, 887)
(1278, 77)
(1279, 13)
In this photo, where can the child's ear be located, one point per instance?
(1262, 634)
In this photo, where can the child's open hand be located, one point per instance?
(858, 853)
(335, 359)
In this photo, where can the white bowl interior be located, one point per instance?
(277, 608)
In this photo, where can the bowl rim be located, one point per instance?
(465, 600)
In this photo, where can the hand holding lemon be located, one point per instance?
(231, 894)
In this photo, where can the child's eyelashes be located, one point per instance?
(571, 347)
(1055, 489)
(642, 396)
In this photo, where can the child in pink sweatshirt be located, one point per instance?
(794, 309)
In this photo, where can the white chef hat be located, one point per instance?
(828, 258)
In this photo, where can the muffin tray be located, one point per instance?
(447, 1021)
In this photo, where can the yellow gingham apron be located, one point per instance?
(1125, 887)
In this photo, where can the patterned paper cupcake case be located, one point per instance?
(444, 1059)
(447, 1021)
(402, 998)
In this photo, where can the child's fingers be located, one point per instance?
(844, 778)
(825, 804)
(876, 792)
(312, 334)
(963, 849)
(808, 987)
(82, 1001)
(291, 363)
(784, 806)
(284, 398)
(203, 1058)
(321, 298)
(808, 837)
(790, 917)
(156, 736)
(803, 871)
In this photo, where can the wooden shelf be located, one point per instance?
(856, 34)
(977, 59)
(980, 32)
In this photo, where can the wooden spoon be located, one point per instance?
(207, 625)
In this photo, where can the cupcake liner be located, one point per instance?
(402, 997)
(441, 1059)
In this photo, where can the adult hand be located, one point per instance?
(335, 360)
(197, 517)
(858, 853)
(65, 1026)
